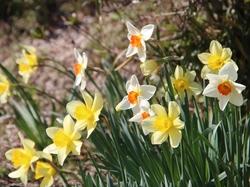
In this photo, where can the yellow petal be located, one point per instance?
(175, 137)
(203, 57)
(178, 72)
(87, 99)
(62, 154)
(51, 131)
(76, 109)
(158, 110)
(47, 182)
(158, 137)
(68, 125)
(80, 125)
(173, 109)
(215, 47)
(98, 102)
(90, 129)
(77, 150)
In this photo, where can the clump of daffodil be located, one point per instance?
(46, 171)
(163, 125)
(215, 59)
(27, 63)
(4, 89)
(65, 140)
(22, 159)
(184, 82)
(86, 114)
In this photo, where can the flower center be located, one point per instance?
(135, 40)
(133, 97)
(162, 123)
(144, 115)
(215, 62)
(225, 88)
(20, 157)
(180, 85)
(61, 139)
(77, 68)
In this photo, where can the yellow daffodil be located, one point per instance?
(216, 58)
(149, 67)
(184, 82)
(79, 69)
(4, 89)
(65, 140)
(27, 63)
(224, 88)
(137, 40)
(22, 158)
(164, 125)
(135, 93)
(46, 171)
(86, 114)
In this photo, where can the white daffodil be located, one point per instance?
(215, 59)
(79, 69)
(224, 87)
(141, 113)
(65, 140)
(136, 92)
(137, 40)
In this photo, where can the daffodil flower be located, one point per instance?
(184, 82)
(65, 140)
(4, 89)
(137, 40)
(46, 171)
(135, 93)
(215, 59)
(164, 125)
(224, 88)
(86, 114)
(79, 69)
(27, 63)
(142, 113)
(22, 158)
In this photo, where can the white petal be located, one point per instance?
(147, 31)
(229, 69)
(90, 129)
(147, 91)
(204, 71)
(144, 105)
(223, 100)
(175, 137)
(132, 29)
(83, 84)
(159, 110)
(78, 80)
(142, 54)
(78, 145)
(85, 61)
(131, 51)
(158, 137)
(211, 91)
(136, 118)
(132, 84)
(236, 99)
(215, 47)
(124, 104)
(77, 56)
(239, 87)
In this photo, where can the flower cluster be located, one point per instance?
(160, 123)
